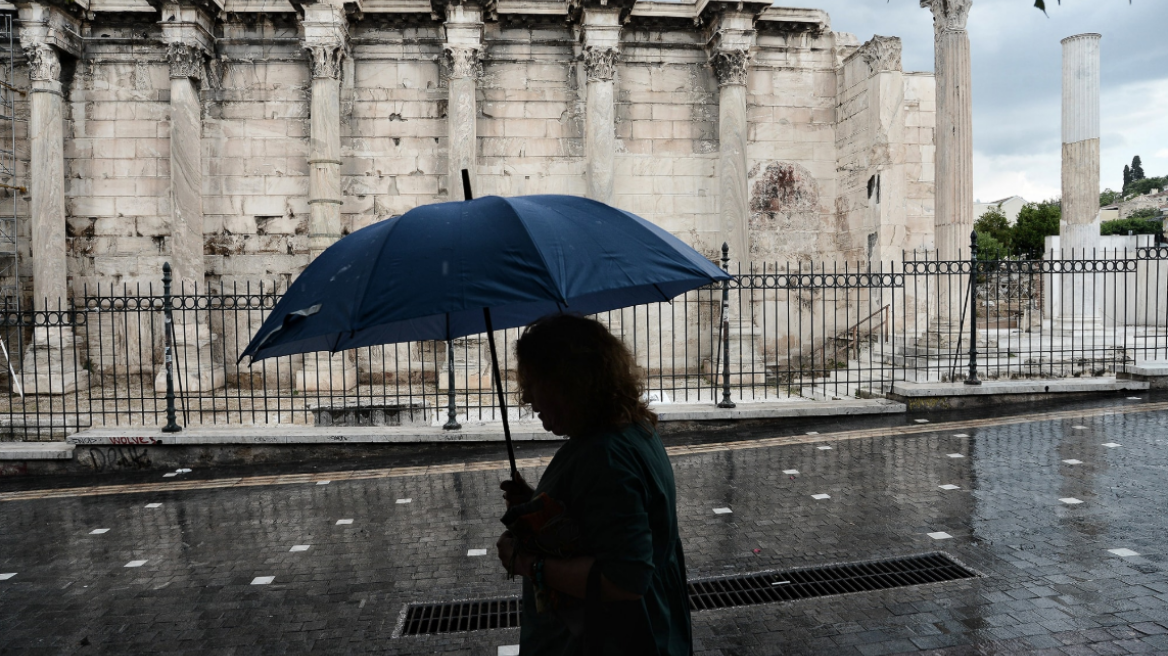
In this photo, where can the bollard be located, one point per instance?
(972, 379)
(726, 402)
(167, 330)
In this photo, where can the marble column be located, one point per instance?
(600, 37)
(195, 369)
(325, 39)
(186, 166)
(600, 122)
(730, 68)
(461, 115)
(324, 142)
(1079, 230)
(463, 51)
(953, 210)
(1080, 171)
(51, 363)
(46, 177)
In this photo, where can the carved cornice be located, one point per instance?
(730, 66)
(464, 61)
(882, 53)
(948, 15)
(186, 61)
(326, 59)
(44, 63)
(600, 63)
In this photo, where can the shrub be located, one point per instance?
(1137, 226)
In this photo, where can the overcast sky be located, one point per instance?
(1017, 81)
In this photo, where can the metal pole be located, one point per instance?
(451, 412)
(972, 380)
(726, 402)
(168, 323)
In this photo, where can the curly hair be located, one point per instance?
(589, 366)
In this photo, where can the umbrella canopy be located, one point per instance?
(430, 273)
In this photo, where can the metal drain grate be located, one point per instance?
(705, 594)
(794, 584)
(424, 619)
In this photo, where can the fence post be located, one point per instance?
(726, 402)
(451, 411)
(167, 322)
(972, 379)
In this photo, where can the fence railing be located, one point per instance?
(773, 333)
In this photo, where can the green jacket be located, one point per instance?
(619, 488)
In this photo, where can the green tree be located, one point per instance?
(1139, 187)
(989, 248)
(1136, 225)
(994, 224)
(1126, 176)
(1036, 221)
(1144, 213)
(1108, 197)
(1137, 169)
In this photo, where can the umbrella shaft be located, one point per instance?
(502, 396)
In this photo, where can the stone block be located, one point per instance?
(283, 185)
(525, 128)
(114, 148)
(132, 206)
(264, 205)
(90, 206)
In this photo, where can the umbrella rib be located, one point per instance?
(538, 251)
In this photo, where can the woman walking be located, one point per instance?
(596, 541)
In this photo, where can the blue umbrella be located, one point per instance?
(448, 270)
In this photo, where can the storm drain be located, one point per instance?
(795, 584)
(454, 617)
(706, 594)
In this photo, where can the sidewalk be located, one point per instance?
(673, 417)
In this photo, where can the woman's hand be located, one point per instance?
(515, 564)
(516, 491)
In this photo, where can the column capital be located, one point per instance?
(881, 53)
(324, 33)
(44, 63)
(463, 61)
(600, 62)
(729, 37)
(45, 28)
(730, 66)
(948, 15)
(186, 61)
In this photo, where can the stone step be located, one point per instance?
(36, 451)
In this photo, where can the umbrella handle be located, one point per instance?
(499, 386)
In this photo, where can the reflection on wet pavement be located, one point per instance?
(1064, 528)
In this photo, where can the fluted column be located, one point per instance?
(600, 34)
(953, 211)
(463, 51)
(1080, 171)
(1079, 234)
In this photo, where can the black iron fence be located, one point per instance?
(774, 333)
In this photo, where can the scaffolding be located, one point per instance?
(10, 186)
